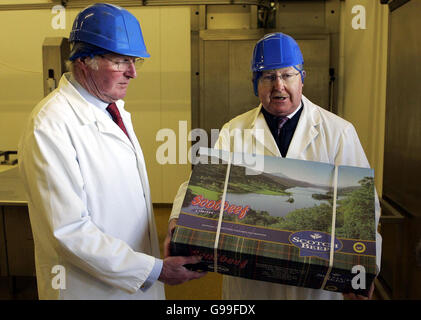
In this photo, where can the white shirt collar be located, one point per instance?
(296, 110)
(89, 97)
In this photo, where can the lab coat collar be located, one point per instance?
(89, 113)
(266, 139)
(307, 130)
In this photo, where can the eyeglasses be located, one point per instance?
(123, 64)
(269, 79)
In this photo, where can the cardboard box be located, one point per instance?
(280, 221)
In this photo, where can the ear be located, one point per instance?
(303, 76)
(81, 64)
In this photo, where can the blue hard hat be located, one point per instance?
(83, 49)
(111, 28)
(275, 51)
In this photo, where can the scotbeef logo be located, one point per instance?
(202, 202)
(314, 243)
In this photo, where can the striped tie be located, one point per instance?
(281, 122)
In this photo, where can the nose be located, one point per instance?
(131, 71)
(278, 83)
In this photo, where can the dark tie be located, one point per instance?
(115, 114)
(281, 122)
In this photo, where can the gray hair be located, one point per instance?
(91, 62)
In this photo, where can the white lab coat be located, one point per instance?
(89, 201)
(320, 136)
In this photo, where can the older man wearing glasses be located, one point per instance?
(85, 175)
(293, 127)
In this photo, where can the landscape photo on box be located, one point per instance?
(277, 221)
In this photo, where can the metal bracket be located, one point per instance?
(7, 160)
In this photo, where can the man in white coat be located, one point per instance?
(292, 127)
(84, 172)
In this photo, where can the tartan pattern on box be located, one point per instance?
(287, 254)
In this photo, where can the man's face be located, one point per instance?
(280, 97)
(105, 81)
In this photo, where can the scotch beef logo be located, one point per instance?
(314, 243)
